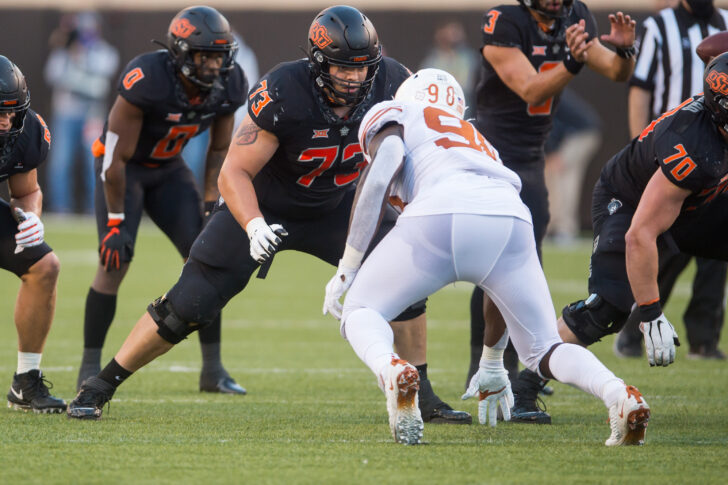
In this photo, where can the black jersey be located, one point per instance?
(319, 157)
(30, 148)
(686, 145)
(150, 82)
(517, 129)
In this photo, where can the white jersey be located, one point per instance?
(449, 166)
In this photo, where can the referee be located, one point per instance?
(667, 72)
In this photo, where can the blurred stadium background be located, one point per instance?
(276, 29)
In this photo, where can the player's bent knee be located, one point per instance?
(413, 311)
(46, 268)
(172, 327)
(593, 318)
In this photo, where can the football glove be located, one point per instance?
(116, 246)
(336, 287)
(30, 230)
(264, 239)
(492, 386)
(660, 341)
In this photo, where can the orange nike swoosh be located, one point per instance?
(485, 394)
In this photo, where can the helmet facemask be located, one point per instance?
(14, 98)
(342, 36)
(203, 30)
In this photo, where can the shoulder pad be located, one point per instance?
(502, 26)
(378, 117)
(146, 79)
(266, 100)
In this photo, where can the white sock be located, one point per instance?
(372, 339)
(28, 361)
(575, 365)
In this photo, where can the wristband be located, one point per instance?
(627, 52)
(114, 218)
(572, 65)
(491, 354)
(650, 311)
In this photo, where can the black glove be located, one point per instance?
(116, 246)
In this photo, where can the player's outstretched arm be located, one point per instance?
(517, 72)
(658, 208)
(221, 133)
(387, 152)
(617, 66)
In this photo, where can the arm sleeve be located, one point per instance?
(368, 208)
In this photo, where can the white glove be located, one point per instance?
(264, 239)
(31, 230)
(493, 387)
(660, 341)
(336, 287)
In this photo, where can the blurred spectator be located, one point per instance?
(195, 151)
(574, 139)
(79, 71)
(452, 54)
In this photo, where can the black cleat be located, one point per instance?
(626, 346)
(90, 400)
(434, 410)
(528, 407)
(223, 384)
(30, 391)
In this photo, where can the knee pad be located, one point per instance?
(171, 327)
(413, 311)
(593, 318)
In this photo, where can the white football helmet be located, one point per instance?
(434, 87)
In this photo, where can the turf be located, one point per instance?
(314, 413)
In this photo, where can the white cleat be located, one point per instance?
(400, 387)
(628, 419)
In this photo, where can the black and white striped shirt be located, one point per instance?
(667, 64)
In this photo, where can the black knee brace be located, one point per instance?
(171, 327)
(413, 311)
(593, 318)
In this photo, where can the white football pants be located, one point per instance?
(498, 253)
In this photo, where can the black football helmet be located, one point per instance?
(200, 29)
(14, 98)
(537, 6)
(343, 36)
(715, 89)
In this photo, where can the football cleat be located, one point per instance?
(223, 384)
(30, 391)
(90, 400)
(400, 386)
(434, 410)
(528, 407)
(628, 419)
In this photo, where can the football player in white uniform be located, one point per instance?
(462, 220)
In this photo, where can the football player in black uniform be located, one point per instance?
(289, 180)
(24, 143)
(530, 53)
(663, 193)
(165, 98)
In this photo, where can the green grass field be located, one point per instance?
(314, 413)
